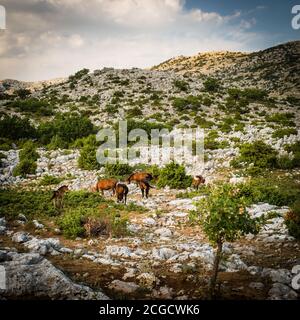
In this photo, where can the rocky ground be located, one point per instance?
(165, 257)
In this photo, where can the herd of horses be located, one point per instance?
(120, 189)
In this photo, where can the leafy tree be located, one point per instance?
(223, 217)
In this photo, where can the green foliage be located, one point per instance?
(134, 112)
(22, 93)
(78, 75)
(257, 153)
(87, 159)
(28, 157)
(188, 103)
(49, 180)
(211, 85)
(284, 119)
(181, 85)
(223, 215)
(271, 190)
(118, 170)
(32, 105)
(211, 143)
(30, 203)
(280, 133)
(15, 128)
(71, 223)
(66, 128)
(174, 176)
(292, 220)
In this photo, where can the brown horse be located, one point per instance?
(197, 181)
(121, 191)
(145, 187)
(140, 176)
(105, 184)
(58, 196)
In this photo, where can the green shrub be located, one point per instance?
(188, 103)
(32, 105)
(67, 128)
(15, 128)
(49, 180)
(174, 176)
(181, 85)
(292, 220)
(118, 170)
(87, 159)
(28, 157)
(257, 153)
(25, 167)
(271, 190)
(280, 133)
(30, 203)
(211, 85)
(284, 119)
(71, 223)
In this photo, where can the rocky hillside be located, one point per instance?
(248, 106)
(276, 69)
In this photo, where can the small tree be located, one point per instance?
(224, 218)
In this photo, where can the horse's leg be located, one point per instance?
(125, 198)
(142, 193)
(147, 192)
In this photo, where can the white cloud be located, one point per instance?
(53, 38)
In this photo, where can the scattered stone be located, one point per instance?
(122, 286)
(20, 237)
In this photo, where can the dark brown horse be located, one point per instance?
(105, 184)
(58, 196)
(197, 181)
(145, 187)
(140, 176)
(121, 192)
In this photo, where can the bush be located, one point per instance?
(71, 223)
(174, 176)
(211, 85)
(270, 190)
(181, 85)
(15, 128)
(188, 103)
(66, 128)
(280, 133)
(292, 220)
(118, 170)
(87, 159)
(49, 180)
(28, 157)
(39, 107)
(257, 153)
(284, 119)
(30, 203)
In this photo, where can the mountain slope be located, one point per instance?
(276, 69)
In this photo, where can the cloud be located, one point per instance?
(53, 38)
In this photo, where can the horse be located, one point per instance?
(145, 187)
(197, 181)
(58, 195)
(139, 176)
(105, 184)
(121, 192)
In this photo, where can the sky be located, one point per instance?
(47, 39)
